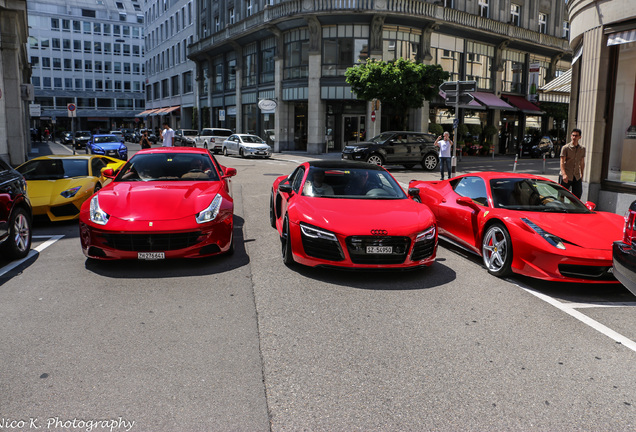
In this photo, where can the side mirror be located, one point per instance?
(285, 187)
(414, 192)
(230, 172)
(590, 205)
(465, 201)
(108, 173)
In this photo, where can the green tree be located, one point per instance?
(403, 84)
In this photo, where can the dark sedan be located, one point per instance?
(624, 252)
(82, 138)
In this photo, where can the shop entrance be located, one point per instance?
(353, 129)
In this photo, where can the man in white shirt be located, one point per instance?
(445, 149)
(316, 186)
(167, 135)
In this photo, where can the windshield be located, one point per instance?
(82, 134)
(106, 139)
(357, 183)
(168, 167)
(54, 169)
(252, 139)
(534, 195)
(190, 133)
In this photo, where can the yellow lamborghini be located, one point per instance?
(57, 185)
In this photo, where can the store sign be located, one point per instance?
(35, 110)
(267, 105)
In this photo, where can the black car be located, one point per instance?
(396, 147)
(15, 214)
(67, 137)
(537, 147)
(624, 252)
(151, 135)
(185, 137)
(82, 138)
(129, 134)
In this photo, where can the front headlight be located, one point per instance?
(429, 234)
(358, 149)
(210, 213)
(70, 193)
(550, 238)
(317, 233)
(97, 215)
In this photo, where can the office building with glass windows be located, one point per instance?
(88, 53)
(276, 67)
(169, 73)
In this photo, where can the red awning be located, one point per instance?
(523, 104)
(170, 109)
(492, 101)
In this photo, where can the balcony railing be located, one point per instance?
(417, 8)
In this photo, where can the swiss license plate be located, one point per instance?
(346, 156)
(379, 249)
(111, 153)
(151, 255)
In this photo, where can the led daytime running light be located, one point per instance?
(316, 233)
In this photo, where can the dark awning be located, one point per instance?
(491, 101)
(522, 104)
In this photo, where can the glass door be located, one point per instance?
(353, 129)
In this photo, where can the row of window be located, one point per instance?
(61, 103)
(97, 28)
(59, 83)
(87, 47)
(183, 16)
(172, 56)
(175, 86)
(80, 65)
(170, 28)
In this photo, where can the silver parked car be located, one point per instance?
(246, 145)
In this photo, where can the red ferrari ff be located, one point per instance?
(524, 224)
(350, 214)
(165, 202)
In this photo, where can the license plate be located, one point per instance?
(151, 255)
(111, 153)
(379, 249)
(346, 156)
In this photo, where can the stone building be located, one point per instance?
(276, 67)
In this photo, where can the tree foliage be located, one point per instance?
(403, 83)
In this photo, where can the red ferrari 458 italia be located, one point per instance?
(524, 224)
(350, 214)
(165, 202)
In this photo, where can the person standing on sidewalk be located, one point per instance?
(572, 164)
(167, 135)
(445, 147)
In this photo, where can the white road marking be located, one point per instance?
(32, 252)
(600, 305)
(568, 309)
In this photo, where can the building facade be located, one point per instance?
(603, 98)
(90, 54)
(276, 67)
(170, 92)
(15, 74)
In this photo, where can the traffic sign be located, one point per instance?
(452, 88)
(462, 99)
(71, 110)
(455, 123)
(372, 116)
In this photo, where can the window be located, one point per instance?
(515, 14)
(400, 42)
(87, 27)
(126, 31)
(98, 66)
(55, 44)
(107, 29)
(68, 64)
(55, 24)
(97, 28)
(44, 43)
(126, 50)
(118, 86)
(108, 67)
(249, 65)
(230, 71)
(97, 47)
(483, 8)
(514, 65)
(57, 63)
(127, 68)
(117, 67)
(88, 65)
(296, 46)
(77, 64)
(88, 13)
(108, 84)
(66, 44)
(46, 82)
(543, 23)
(88, 84)
(217, 24)
(473, 188)
(77, 46)
(165, 89)
(175, 85)
(566, 30)
(68, 83)
(107, 47)
(117, 49)
(116, 30)
(99, 85)
(187, 82)
(35, 80)
(77, 26)
(66, 25)
(46, 63)
(87, 46)
(230, 16)
(78, 84)
(268, 51)
(249, 7)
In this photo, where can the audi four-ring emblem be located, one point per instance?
(379, 232)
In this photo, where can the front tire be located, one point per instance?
(496, 250)
(97, 188)
(430, 162)
(224, 151)
(18, 244)
(286, 244)
(241, 153)
(375, 159)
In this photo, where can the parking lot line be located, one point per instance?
(32, 252)
(570, 310)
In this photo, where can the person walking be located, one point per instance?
(445, 147)
(167, 135)
(572, 164)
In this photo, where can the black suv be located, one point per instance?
(396, 147)
(82, 138)
(15, 214)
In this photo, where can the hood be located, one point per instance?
(597, 230)
(360, 216)
(47, 192)
(157, 200)
(256, 145)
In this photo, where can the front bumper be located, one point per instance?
(260, 152)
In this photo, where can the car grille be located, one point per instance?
(423, 249)
(151, 242)
(64, 210)
(601, 273)
(357, 247)
(322, 248)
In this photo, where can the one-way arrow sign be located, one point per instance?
(462, 99)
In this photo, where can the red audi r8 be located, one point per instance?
(165, 202)
(524, 224)
(350, 214)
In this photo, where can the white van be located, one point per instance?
(212, 138)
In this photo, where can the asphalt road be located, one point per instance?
(245, 343)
